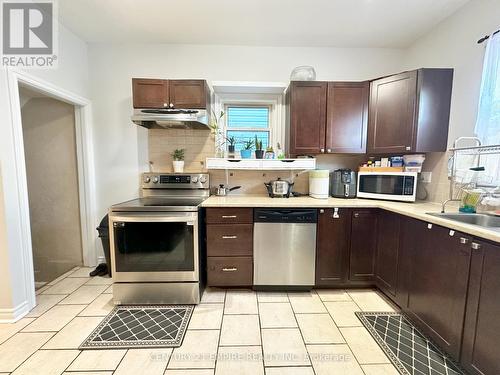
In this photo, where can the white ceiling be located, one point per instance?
(335, 23)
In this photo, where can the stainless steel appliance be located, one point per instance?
(285, 247)
(165, 118)
(155, 241)
(279, 188)
(223, 190)
(343, 183)
(395, 186)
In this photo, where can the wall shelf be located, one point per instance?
(261, 164)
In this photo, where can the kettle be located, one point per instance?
(279, 188)
(222, 190)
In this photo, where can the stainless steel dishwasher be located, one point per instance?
(284, 247)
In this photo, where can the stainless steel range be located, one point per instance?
(155, 241)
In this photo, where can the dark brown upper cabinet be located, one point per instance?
(347, 117)
(162, 93)
(150, 93)
(332, 249)
(481, 340)
(409, 112)
(327, 117)
(307, 111)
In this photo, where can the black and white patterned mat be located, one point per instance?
(141, 326)
(408, 349)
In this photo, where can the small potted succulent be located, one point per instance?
(178, 160)
(259, 152)
(246, 152)
(231, 144)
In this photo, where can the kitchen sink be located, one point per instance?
(482, 220)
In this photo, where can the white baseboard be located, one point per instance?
(14, 314)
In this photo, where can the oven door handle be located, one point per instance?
(164, 217)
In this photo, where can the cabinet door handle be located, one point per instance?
(321, 211)
(229, 237)
(408, 148)
(475, 246)
(356, 214)
(322, 150)
(229, 269)
(229, 216)
(464, 240)
(329, 150)
(429, 226)
(165, 104)
(171, 105)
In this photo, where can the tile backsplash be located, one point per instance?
(199, 145)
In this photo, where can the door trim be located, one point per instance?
(17, 214)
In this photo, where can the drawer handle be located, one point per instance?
(229, 216)
(229, 237)
(464, 240)
(229, 269)
(475, 246)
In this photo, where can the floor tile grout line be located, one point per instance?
(220, 332)
(260, 334)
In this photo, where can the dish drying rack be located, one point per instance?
(459, 188)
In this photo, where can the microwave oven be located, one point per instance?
(394, 186)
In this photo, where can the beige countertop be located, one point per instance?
(416, 210)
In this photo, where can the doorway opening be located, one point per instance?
(50, 152)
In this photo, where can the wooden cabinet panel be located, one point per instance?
(409, 112)
(387, 258)
(149, 93)
(363, 245)
(347, 117)
(481, 343)
(229, 215)
(230, 271)
(307, 117)
(438, 284)
(332, 250)
(188, 93)
(230, 239)
(392, 113)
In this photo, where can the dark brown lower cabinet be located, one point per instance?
(439, 273)
(481, 343)
(230, 271)
(363, 245)
(332, 249)
(387, 258)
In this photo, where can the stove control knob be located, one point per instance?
(203, 179)
(194, 180)
(147, 180)
(155, 180)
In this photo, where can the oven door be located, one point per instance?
(154, 246)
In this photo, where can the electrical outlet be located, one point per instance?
(426, 177)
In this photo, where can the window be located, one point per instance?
(245, 122)
(488, 117)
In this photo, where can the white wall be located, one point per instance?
(71, 75)
(121, 147)
(453, 44)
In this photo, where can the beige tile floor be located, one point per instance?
(230, 332)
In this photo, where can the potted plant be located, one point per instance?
(246, 153)
(231, 144)
(178, 160)
(259, 152)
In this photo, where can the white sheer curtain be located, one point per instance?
(488, 118)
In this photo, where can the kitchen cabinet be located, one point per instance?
(347, 117)
(307, 117)
(409, 112)
(327, 117)
(229, 241)
(332, 250)
(162, 93)
(149, 93)
(481, 342)
(387, 257)
(363, 245)
(438, 280)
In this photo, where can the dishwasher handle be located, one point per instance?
(285, 215)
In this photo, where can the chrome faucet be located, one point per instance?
(443, 205)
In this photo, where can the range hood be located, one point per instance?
(171, 118)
